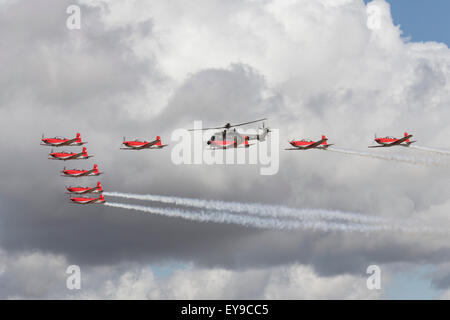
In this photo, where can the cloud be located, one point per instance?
(42, 276)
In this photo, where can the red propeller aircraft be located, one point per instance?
(85, 190)
(139, 145)
(85, 200)
(391, 141)
(69, 155)
(60, 141)
(306, 144)
(76, 173)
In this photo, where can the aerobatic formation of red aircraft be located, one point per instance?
(142, 144)
(226, 138)
(323, 144)
(78, 173)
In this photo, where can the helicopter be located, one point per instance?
(229, 137)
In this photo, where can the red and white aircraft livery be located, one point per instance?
(75, 173)
(60, 141)
(139, 145)
(69, 155)
(306, 144)
(85, 190)
(85, 200)
(233, 141)
(391, 141)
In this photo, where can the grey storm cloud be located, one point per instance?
(145, 70)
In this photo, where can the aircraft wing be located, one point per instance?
(132, 148)
(162, 146)
(86, 191)
(72, 157)
(62, 159)
(399, 141)
(85, 173)
(315, 144)
(68, 142)
(298, 148)
(52, 144)
(85, 202)
(403, 139)
(384, 145)
(149, 144)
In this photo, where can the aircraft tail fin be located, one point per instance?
(406, 134)
(158, 144)
(263, 135)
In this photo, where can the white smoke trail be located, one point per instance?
(404, 159)
(253, 208)
(247, 221)
(270, 223)
(433, 150)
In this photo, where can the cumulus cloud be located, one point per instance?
(141, 69)
(43, 276)
(288, 282)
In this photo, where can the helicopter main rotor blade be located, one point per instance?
(207, 129)
(228, 126)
